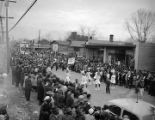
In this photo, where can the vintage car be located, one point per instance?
(140, 110)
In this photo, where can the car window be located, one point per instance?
(130, 115)
(115, 109)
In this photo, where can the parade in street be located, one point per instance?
(77, 60)
(62, 89)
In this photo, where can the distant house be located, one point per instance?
(63, 47)
(44, 41)
(78, 47)
(77, 44)
(110, 51)
(42, 44)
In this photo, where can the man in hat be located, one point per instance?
(40, 89)
(28, 87)
(13, 67)
(45, 109)
(108, 83)
(90, 116)
(18, 75)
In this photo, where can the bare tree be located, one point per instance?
(140, 25)
(82, 30)
(88, 31)
(91, 32)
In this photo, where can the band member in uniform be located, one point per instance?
(97, 78)
(113, 79)
(84, 79)
(68, 75)
(89, 78)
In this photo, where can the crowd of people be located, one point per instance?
(65, 99)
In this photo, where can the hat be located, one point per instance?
(81, 97)
(91, 111)
(36, 70)
(89, 69)
(47, 98)
(68, 110)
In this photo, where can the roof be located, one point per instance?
(141, 108)
(41, 46)
(63, 43)
(110, 44)
(63, 52)
(77, 44)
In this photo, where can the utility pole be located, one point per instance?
(7, 36)
(39, 35)
(38, 38)
(7, 32)
(2, 32)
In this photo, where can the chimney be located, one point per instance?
(111, 38)
(74, 35)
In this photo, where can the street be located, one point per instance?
(99, 97)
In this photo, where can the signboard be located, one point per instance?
(23, 47)
(71, 61)
(55, 47)
(119, 63)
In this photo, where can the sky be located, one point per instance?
(57, 18)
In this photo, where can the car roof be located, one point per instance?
(141, 108)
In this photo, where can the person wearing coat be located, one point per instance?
(45, 109)
(28, 87)
(40, 90)
(13, 74)
(18, 75)
(108, 83)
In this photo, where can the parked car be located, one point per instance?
(140, 110)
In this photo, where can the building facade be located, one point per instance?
(145, 56)
(110, 52)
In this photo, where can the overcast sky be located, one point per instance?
(56, 18)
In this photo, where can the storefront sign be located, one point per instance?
(55, 47)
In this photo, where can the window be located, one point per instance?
(115, 109)
(77, 49)
(130, 115)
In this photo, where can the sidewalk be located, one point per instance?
(18, 107)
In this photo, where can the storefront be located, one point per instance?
(110, 52)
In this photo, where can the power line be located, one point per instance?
(23, 15)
